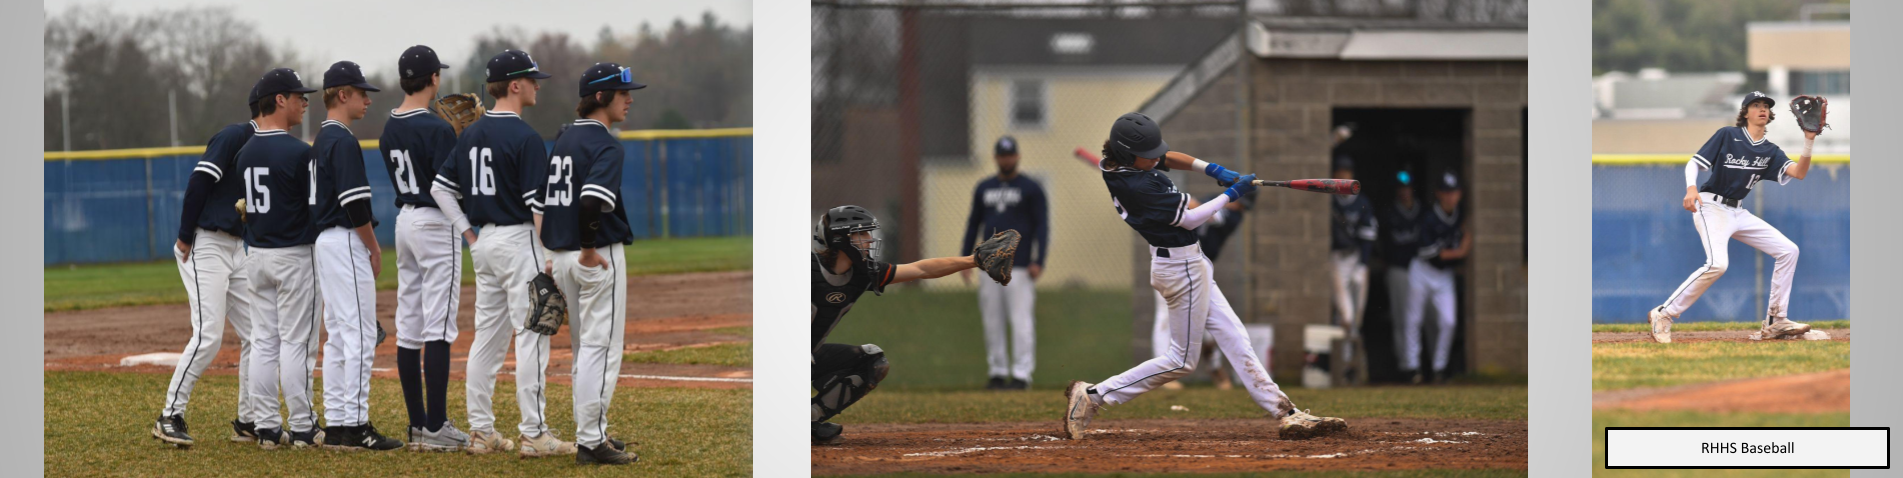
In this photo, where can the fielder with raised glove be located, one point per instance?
(460, 110)
(994, 255)
(1811, 112)
(550, 306)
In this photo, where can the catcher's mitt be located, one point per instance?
(994, 255)
(460, 110)
(240, 206)
(1810, 112)
(549, 307)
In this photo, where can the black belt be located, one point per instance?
(1726, 201)
(1162, 252)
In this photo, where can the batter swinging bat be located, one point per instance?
(1332, 186)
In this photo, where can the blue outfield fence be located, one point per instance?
(123, 205)
(1644, 245)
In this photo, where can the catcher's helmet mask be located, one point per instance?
(836, 229)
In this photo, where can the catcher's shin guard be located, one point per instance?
(842, 387)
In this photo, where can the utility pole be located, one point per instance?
(65, 123)
(171, 101)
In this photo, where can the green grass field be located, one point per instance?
(1289, 474)
(1492, 402)
(738, 354)
(150, 283)
(935, 340)
(98, 424)
(1625, 365)
(1710, 326)
(1603, 419)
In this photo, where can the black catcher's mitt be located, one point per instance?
(460, 110)
(994, 255)
(549, 308)
(1810, 112)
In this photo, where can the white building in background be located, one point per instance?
(1805, 58)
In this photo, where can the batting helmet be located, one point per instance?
(1139, 135)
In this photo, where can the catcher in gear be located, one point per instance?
(846, 265)
(1739, 157)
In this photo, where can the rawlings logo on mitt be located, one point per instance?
(994, 255)
(1810, 112)
(460, 110)
(550, 307)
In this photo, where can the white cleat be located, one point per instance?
(1300, 425)
(1783, 327)
(1661, 325)
(1079, 411)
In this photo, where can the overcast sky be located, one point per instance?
(374, 33)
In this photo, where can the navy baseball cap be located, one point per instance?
(253, 99)
(1755, 96)
(346, 73)
(1344, 162)
(281, 80)
(607, 77)
(418, 62)
(1139, 135)
(512, 64)
(1448, 181)
(1007, 146)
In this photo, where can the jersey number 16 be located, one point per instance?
(485, 177)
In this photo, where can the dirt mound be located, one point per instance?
(1808, 393)
(1153, 446)
(664, 312)
(1840, 335)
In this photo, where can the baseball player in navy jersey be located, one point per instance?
(349, 259)
(1399, 230)
(584, 227)
(415, 144)
(496, 172)
(1445, 242)
(211, 256)
(1135, 157)
(1351, 240)
(276, 172)
(845, 266)
(1738, 156)
(1211, 235)
(999, 203)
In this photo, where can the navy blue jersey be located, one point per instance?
(586, 162)
(998, 205)
(497, 170)
(415, 144)
(1737, 163)
(1400, 234)
(1440, 230)
(1351, 225)
(1149, 203)
(221, 156)
(834, 294)
(338, 175)
(276, 171)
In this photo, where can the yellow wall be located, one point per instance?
(1090, 246)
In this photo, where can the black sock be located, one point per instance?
(436, 372)
(409, 366)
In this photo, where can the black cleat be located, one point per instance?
(1016, 384)
(605, 454)
(308, 438)
(996, 383)
(270, 438)
(243, 432)
(359, 438)
(172, 430)
(826, 433)
(617, 444)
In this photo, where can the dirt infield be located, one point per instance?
(1821, 392)
(1840, 335)
(664, 312)
(1150, 446)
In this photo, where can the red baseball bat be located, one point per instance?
(1331, 186)
(1086, 155)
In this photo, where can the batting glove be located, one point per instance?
(1244, 185)
(1224, 177)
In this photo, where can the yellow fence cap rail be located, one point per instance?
(654, 134)
(1680, 159)
(369, 144)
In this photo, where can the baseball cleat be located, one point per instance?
(603, 454)
(487, 441)
(1661, 325)
(243, 432)
(447, 438)
(360, 438)
(544, 444)
(1079, 411)
(826, 433)
(1016, 384)
(618, 444)
(995, 383)
(1782, 327)
(270, 438)
(307, 439)
(172, 430)
(1300, 425)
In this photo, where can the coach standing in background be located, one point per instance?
(1010, 201)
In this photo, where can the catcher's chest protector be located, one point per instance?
(834, 294)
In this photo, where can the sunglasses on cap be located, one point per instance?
(532, 69)
(625, 76)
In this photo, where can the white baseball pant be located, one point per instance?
(283, 335)
(1016, 303)
(1428, 284)
(1717, 224)
(598, 303)
(218, 290)
(349, 294)
(429, 267)
(1187, 283)
(507, 257)
(1160, 333)
(1398, 290)
(1351, 292)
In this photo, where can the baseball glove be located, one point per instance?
(550, 307)
(240, 206)
(994, 255)
(1810, 112)
(460, 110)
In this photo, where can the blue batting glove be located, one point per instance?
(1244, 185)
(1224, 177)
